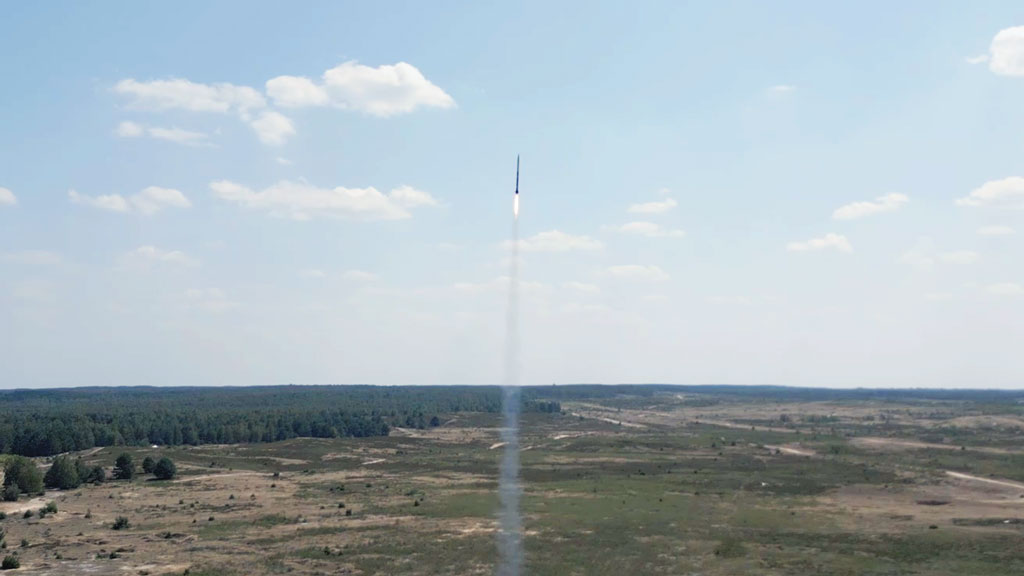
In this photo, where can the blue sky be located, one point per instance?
(247, 193)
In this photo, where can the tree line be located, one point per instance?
(48, 422)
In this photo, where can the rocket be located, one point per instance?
(515, 203)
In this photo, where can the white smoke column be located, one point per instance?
(510, 538)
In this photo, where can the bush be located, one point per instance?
(10, 563)
(165, 469)
(24, 474)
(148, 464)
(124, 467)
(50, 508)
(97, 475)
(82, 469)
(121, 523)
(63, 474)
(730, 548)
(28, 514)
(11, 493)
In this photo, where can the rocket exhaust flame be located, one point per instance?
(510, 545)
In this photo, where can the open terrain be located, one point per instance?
(665, 482)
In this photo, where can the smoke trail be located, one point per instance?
(510, 544)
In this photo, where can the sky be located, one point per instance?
(252, 193)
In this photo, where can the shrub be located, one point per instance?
(63, 474)
(10, 563)
(50, 508)
(96, 475)
(3, 516)
(24, 474)
(11, 493)
(28, 514)
(121, 523)
(165, 469)
(24, 543)
(124, 467)
(730, 548)
(148, 464)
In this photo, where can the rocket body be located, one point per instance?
(515, 203)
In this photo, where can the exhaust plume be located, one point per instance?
(510, 544)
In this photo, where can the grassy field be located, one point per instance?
(669, 484)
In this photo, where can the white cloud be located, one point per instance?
(154, 198)
(582, 287)
(312, 273)
(273, 128)
(1007, 52)
(296, 92)
(152, 254)
(359, 275)
(826, 242)
(129, 130)
(938, 296)
(176, 135)
(996, 230)
(412, 198)
(782, 89)
(960, 257)
(1006, 289)
(979, 59)
(557, 241)
(283, 161)
(7, 198)
(108, 202)
(149, 201)
(301, 201)
(649, 229)
(181, 94)
(384, 91)
(208, 299)
(1005, 193)
(656, 207)
(887, 203)
(31, 257)
(638, 273)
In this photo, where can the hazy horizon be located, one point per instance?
(793, 194)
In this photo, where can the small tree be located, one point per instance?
(165, 469)
(97, 475)
(63, 474)
(124, 467)
(11, 493)
(121, 523)
(10, 563)
(23, 472)
(148, 464)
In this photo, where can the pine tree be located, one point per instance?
(124, 467)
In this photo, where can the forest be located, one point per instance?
(47, 422)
